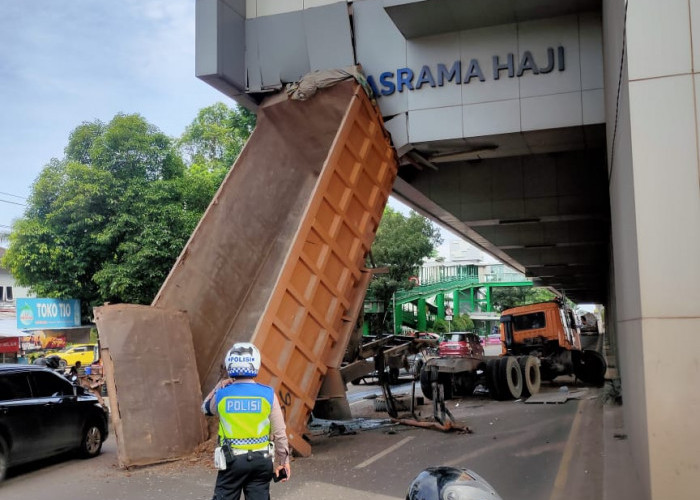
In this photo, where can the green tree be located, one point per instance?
(216, 136)
(440, 326)
(401, 244)
(106, 222)
(512, 296)
(100, 208)
(462, 323)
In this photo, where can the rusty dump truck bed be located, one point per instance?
(278, 257)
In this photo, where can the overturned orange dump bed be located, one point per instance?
(278, 257)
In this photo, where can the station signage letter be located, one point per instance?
(406, 79)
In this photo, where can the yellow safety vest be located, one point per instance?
(244, 415)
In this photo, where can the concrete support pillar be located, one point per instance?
(655, 226)
(488, 299)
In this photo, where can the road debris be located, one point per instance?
(557, 397)
(448, 426)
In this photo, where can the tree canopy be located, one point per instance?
(512, 296)
(107, 221)
(401, 244)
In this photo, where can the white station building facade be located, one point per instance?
(560, 136)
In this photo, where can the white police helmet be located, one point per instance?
(242, 360)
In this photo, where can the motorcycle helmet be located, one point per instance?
(450, 483)
(242, 360)
(53, 362)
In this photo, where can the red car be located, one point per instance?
(460, 344)
(493, 339)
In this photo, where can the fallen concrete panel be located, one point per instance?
(152, 382)
(557, 397)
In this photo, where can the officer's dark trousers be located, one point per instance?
(250, 474)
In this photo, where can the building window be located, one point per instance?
(8, 294)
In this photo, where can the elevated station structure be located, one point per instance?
(561, 136)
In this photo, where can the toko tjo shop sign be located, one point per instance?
(39, 314)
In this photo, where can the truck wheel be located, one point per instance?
(425, 386)
(530, 370)
(492, 382)
(590, 367)
(510, 378)
(446, 380)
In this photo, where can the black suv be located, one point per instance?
(43, 414)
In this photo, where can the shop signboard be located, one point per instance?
(41, 341)
(9, 344)
(45, 314)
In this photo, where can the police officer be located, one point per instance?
(249, 414)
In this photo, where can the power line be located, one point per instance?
(14, 203)
(13, 195)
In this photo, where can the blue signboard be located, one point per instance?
(40, 314)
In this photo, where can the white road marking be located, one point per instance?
(384, 453)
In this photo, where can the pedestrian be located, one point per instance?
(249, 416)
(75, 371)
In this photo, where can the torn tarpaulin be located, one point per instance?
(311, 82)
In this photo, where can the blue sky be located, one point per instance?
(64, 62)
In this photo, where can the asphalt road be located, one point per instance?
(525, 451)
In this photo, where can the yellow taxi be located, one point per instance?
(85, 353)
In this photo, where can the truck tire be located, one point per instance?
(510, 378)
(425, 386)
(492, 382)
(446, 380)
(530, 370)
(590, 367)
